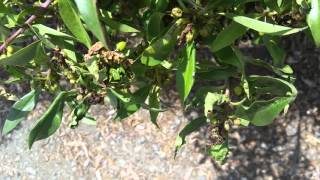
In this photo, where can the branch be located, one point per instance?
(15, 34)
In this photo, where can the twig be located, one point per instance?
(15, 34)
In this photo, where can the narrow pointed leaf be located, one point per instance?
(160, 48)
(228, 36)
(263, 112)
(73, 22)
(265, 27)
(277, 53)
(313, 20)
(186, 71)
(188, 129)
(89, 13)
(49, 122)
(23, 56)
(154, 102)
(20, 110)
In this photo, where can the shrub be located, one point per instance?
(124, 53)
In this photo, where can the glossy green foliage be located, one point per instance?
(21, 57)
(19, 111)
(49, 122)
(72, 20)
(262, 112)
(264, 27)
(89, 12)
(186, 71)
(127, 54)
(313, 20)
(219, 152)
(188, 129)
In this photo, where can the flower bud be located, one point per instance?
(121, 45)
(79, 97)
(238, 90)
(189, 37)
(10, 49)
(226, 126)
(237, 122)
(72, 81)
(176, 12)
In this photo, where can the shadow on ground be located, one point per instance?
(289, 148)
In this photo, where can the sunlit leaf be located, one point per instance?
(313, 20)
(186, 71)
(73, 22)
(89, 12)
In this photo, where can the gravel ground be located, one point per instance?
(135, 149)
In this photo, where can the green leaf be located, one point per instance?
(160, 48)
(263, 112)
(20, 110)
(213, 99)
(73, 22)
(154, 102)
(217, 74)
(277, 53)
(89, 13)
(219, 152)
(313, 20)
(228, 35)
(161, 5)
(23, 56)
(93, 67)
(80, 112)
(155, 25)
(264, 27)
(186, 71)
(44, 30)
(188, 129)
(126, 109)
(227, 56)
(273, 4)
(49, 122)
(118, 26)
